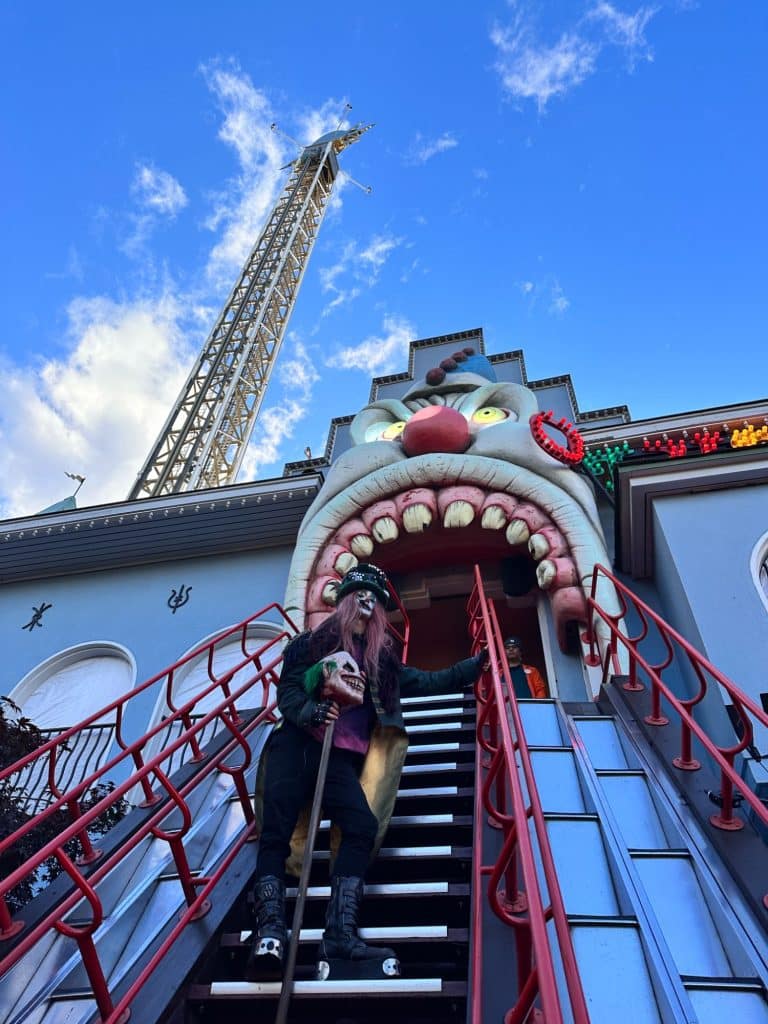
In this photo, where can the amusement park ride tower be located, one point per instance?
(205, 437)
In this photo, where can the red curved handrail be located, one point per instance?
(522, 910)
(704, 671)
(264, 661)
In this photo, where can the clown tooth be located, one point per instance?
(361, 545)
(538, 546)
(493, 518)
(344, 563)
(385, 530)
(545, 573)
(518, 532)
(329, 592)
(416, 518)
(458, 513)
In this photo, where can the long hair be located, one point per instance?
(378, 651)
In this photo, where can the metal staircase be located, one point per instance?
(417, 899)
(659, 930)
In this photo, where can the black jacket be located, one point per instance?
(394, 677)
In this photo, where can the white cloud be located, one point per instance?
(558, 303)
(277, 424)
(422, 149)
(530, 69)
(376, 254)
(480, 173)
(526, 287)
(328, 117)
(540, 72)
(364, 266)
(96, 410)
(626, 30)
(378, 354)
(241, 208)
(158, 191)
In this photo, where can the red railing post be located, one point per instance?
(8, 927)
(686, 762)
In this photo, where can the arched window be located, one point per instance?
(759, 566)
(60, 692)
(193, 677)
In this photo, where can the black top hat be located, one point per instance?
(365, 577)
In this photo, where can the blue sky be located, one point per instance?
(584, 180)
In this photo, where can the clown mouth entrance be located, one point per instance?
(436, 603)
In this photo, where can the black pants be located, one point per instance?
(292, 764)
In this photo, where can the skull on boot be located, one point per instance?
(265, 959)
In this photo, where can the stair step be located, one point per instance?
(614, 973)
(715, 1002)
(381, 988)
(445, 714)
(541, 723)
(450, 729)
(680, 908)
(602, 742)
(452, 747)
(390, 933)
(409, 820)
(408, 889)
(414, 852)
(582, 866)
(438, 698)
(633, 808)
(431, 769)
(557, 781)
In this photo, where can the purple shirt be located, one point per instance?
(354, 724)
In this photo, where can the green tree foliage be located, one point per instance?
(20, 736)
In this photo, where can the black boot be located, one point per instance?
(265, 960)
(340, 939)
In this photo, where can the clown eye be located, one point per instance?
(385, 431)
(394, 430)
(489, 414)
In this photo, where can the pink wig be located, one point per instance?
(377, 639)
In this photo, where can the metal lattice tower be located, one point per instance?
(205, 437)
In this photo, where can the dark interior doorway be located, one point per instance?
(439, 635)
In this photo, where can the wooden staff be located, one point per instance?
(301, 896)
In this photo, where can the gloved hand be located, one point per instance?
(323, 713)
(482, 662)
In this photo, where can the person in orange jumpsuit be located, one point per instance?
(526, 679)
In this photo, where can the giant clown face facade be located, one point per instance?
(459, 470)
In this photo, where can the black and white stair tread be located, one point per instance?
(432, 791)
(388, 933)
(452, 747)
(403, 889)
(437, 767)
(410, 820)
(453, 728)
(414, 714)
(318, 989)
(465, 697)
(401, 852)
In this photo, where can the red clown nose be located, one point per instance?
(436, 429)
